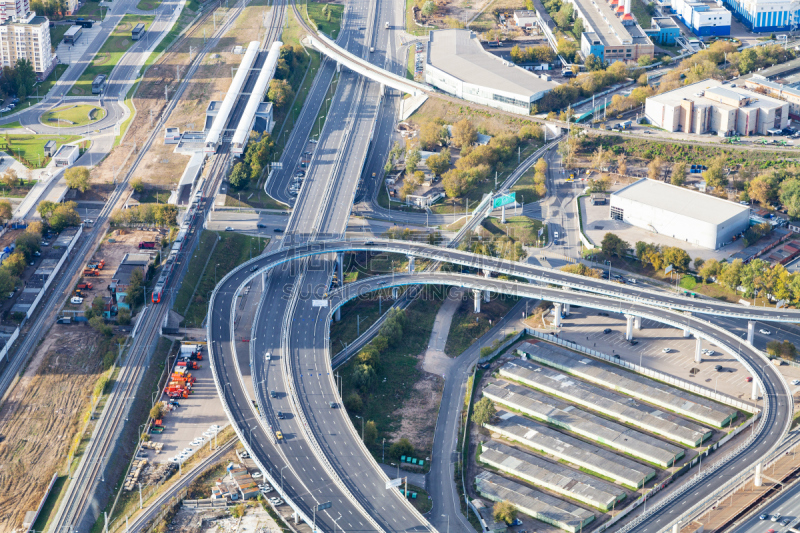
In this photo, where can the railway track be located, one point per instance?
(81, 492)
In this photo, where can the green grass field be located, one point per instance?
(148, 5)
(519, 228)
(11, 125)
(73, 115)
(111, 52)
(91, 9)
(44, 87)
(330, 23)
(57, 33)
(232, 250)
(31, 147)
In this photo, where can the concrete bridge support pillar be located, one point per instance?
(637, 322)
(758, 481)
(410, 264)
(476, 297)
(340, 267)
(698, 354)
(686, 333)
(395, 290)
(676, 527)
(751, 331)
(754, 392)
(629, 327)
(487, 295)
(337, 316)
(264, 280)
(557, 308)
(566, 309)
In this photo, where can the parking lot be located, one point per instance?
(586, 327)
(196, 414)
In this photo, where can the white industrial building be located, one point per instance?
(715, 106)
(457, 64)
(690, 216)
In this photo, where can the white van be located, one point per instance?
(268, 357)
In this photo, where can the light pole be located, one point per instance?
(215, 274)
(398, 468)
(362, 427)
(609, 269)
(287, 466)
(383, 451)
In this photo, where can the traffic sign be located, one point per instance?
(668, 269)
(392, 483)
(319, 303)
(506, 199)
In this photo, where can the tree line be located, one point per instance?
(258, 154)
(152, 214)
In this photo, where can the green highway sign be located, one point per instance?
(506, 199)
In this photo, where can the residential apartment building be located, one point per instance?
(27, 38)
(10, 9)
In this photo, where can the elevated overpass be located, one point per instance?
(365, 68)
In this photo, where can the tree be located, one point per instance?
(157, 411)
(464, 134)
(599, 184)
(428, 8)
(24, 79)
(715, 175)
(370, 432)
(431, 134)
(369, 356)
(439, 163)
(137, 185)
(64, 216)
(677, 258)
(578, 29)
(280, 93)
(654, 168)
(601, 158)
(353, 402)
(504, 511)
(731, 274)
(28, 244)
(77, 178)
(9, 178)
(240, 176)
(35, 227)
(135, 293)
(593, 63)
(678, 173)
(15, 264)
(709, 269)
(622, 164)
(790, 196)
(124, 317)
(483, 411)
(412, 160)
(46, 208)
(7, 283)
(364, 377)
(567, 49)
(613, 245)
(563, 17)
(6, 212)
(401, 448)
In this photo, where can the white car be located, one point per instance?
(256, 475)
(555, 235)
(76, 300)
(268, 356)
(711, 352)
(187, 450)
(667, 350)
(796, 382)
(764, 331)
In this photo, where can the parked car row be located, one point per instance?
(196, 444)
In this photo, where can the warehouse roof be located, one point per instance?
(458, 53)
(551, 475)
(686, 202)
(585, 424)
(608, 402)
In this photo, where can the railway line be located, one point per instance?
(74, 511)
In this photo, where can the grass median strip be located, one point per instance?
(110, 53)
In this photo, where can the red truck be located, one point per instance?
(85, 285)
(189, 364)
(147, 245)
(90, 272)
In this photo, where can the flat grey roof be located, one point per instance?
(583, 454)
(606, 25)
(681, 201)
(552, 476)
(630, 383)
(691, 92)
(458, 53)
(580, 422)
(611, 403)
(778, 70)
(533, 502)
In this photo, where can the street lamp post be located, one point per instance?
(362, 427)
(282, 493)
(215, 274)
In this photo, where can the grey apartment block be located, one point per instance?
(534, 503)
(607, 375)
(587, 425)
(623, 408)
(583, 454)
(552, 476)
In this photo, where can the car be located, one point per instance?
(76, 300)
(711, 352)
(749, 379)
(786, 521)
(763, 516)
(187, 450)
(633, 342)
(776, 517)
(15, 101)
(278, 230)
(667, 350)
(602, 314)
(268, 357)
(332, 404)
(229, 228)
(277, 502)
(299, 173)
(273, 394)
(555, 235)
(261, 226)
(796, 382)
(607, 330)
(764, 331)
(718, 368)
(279, 435)
(266, 489)
(254, 268)
(257, 475)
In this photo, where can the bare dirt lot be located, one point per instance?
(418, 414)
(42, 415)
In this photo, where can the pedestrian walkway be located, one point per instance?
(435, 360)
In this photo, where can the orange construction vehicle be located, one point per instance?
(85, 285)
(188, 364)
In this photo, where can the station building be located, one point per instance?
(457, 64)
(680, 213)
(712, 105)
